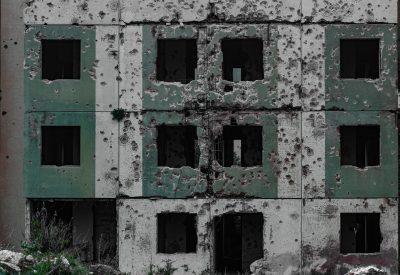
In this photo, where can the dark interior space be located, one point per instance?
(359, 58)
(176, 233)
(176, 60)
(61, 59)
(242, 58)
(60, 210)
(177, 146)
(105, 231)
(238, 242)
(60, 145)
(240, 145)
(360, 145)
(360, 233)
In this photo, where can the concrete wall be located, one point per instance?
(12, 202)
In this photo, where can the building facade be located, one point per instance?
(219, 136)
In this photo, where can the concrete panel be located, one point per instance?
(313, 70)
(93, 12)
(313, 127)
(106, 67)
(137, 225)
(106, 156)
(253, 11)
(282, 227)
(321, 235)
(131, 67)
(357, 11)
(131, 156)
(164, 11)
(280, 86)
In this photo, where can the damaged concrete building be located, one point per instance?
(224, 136)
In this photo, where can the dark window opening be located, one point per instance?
(360, 233)
(238, 242)
(177, 146)
(60, 145)
(176, 233)
(176, 60)
(61, 59)
(240, 145)
(242, 59)
(359, 145)
(359, 58)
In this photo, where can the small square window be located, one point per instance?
(238, 242)
(360, 233)
(61, 59)
(359, 58)
(240, 145)
(242, 59)
(60, 145)
(176, 233)
(176, 60)
(360, 145)
(177, 146)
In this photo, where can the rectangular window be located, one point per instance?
(238, 242)
(176, 233)
(360, 233)
(359, 58)
(176, 60)
(61, 59)
(60, 145)
(242, 59)
(360, 145)
(240, 145)
(177, 146)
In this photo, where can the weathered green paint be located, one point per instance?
(63, 94)
(260, 182)
(245, 94)
(361, 94)
(63, 181)
(350, 181)
(160, 95)
(171, 182)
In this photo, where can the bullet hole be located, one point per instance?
(360, 145)
(359, 58)
(238, 241)
(242, 59)
(177, 146)
(60, 145)
(61, 59)
(176, 60)
(360, 233)
(176, 233)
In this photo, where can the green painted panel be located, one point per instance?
(256, 94)
(171, 182)
(361, 94)
(160, 95)
(260, 182)
(59, 181)
(62, 94)
(350, 181)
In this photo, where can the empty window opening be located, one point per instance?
(359, 145)
(61, 59)
(60, 145)
(176, 233)
(240, 145)
(176, 60)
(359, 58)
(242, 59)
(238, 242)
(360, 233)
(177, 146)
